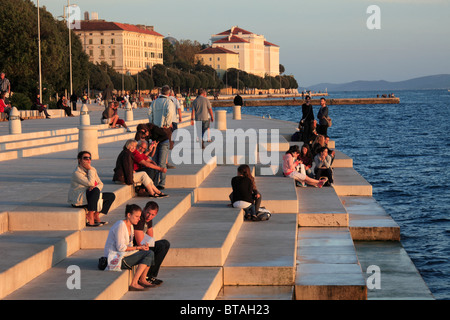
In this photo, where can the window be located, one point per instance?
(113, 52)
(101, 41)
(91, 53)
(112, 41)
(102, 52)
(90, 41)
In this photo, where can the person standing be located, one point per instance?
(73, 101)
(307, 118)
(107, 96)
(5, 85)
(161, 114)
(322, 117)
(201, 111)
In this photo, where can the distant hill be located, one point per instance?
(441, 81)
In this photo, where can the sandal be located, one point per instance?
(159, 195)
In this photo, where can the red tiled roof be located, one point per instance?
(217, 50)
(99, 25)
(267, 43)
(235, 30)
(232, 39)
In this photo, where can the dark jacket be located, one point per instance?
(156, 133)
(123, 172)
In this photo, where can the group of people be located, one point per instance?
(130, 237)
(312, 163)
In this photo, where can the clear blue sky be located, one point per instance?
(320, 40)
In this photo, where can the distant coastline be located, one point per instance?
(440, 81)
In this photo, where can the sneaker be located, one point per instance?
(154, 281)
(128, 130)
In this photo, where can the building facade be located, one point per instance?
(126, 48)
(218, 58)
(256, 55)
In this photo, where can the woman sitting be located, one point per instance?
(290, 164)
(244, 192)
(120, 239)
(85, 190)
(124, 171)
(318, 143)
(306, 159)
(322, 165)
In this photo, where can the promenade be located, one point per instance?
(322, 244)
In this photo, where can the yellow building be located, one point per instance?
(218, 58)
(125, 47)
(256, 55)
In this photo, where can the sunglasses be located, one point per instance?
(86, 158)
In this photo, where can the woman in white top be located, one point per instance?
(120, 239)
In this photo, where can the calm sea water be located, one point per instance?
(403, 150)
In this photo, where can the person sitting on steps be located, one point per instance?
(290, 164)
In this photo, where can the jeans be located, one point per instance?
(161, 156)
(160, 250)
(140, 257)
(92, 200)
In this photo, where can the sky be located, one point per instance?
(321, 41)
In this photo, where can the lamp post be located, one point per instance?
(39, 46)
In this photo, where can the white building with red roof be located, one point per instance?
(125, 47)
(256, 55)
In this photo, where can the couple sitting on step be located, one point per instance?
(246, 196)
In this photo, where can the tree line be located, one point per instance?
(19, 59)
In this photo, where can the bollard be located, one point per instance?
(221, 119)
(88, 140)
(237, 112)
(15, 127)
(181, 105)
(85, 119)
(128, 112)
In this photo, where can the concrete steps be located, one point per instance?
(264, 253)
(204, 235)
(328, 266)
(26, 255)
(23, 145)
(320, 208)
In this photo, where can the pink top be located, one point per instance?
(289, 164)
(2, 105)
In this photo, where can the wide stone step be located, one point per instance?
(368, 221)
(390, 274)
(204, 235)
(26, 255)
(328, 267)
(58, 283)
(264, 253)
(348, 182)
(256, 293)
(320, 207)
(187, 283)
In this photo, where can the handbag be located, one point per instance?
(328, 119)
(115, 261)
(100, 202)
(168, 132)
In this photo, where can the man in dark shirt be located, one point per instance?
(142, 231)
(307, 118)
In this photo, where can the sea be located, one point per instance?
(403, 151)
